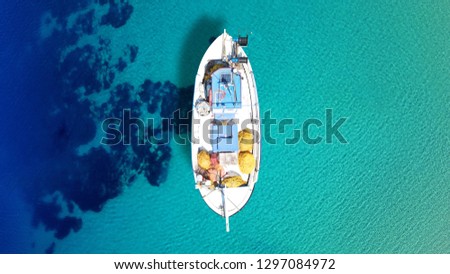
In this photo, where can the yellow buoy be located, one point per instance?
(245, 139)
(235, 181)
(203, 159)
(247, 162)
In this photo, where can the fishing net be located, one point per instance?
(235, 181)
(245, 138)
(203, 159)
(247, 162)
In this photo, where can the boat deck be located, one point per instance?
(245, 116)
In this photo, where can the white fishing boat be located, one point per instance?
(225, 140)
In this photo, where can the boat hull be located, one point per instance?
(225, 201)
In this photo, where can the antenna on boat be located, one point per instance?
(232, 82)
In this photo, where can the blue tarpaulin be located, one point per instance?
(226, 89)
(224, 137)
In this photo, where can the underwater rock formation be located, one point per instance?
(94, 181)
(118, 14)
(48, 213)
(84, 68)
(84, 23)
(133, 52)
(87, 181)
(51, 249)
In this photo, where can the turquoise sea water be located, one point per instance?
(385, 66)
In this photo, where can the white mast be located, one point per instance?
(224, 50)
(225, 213)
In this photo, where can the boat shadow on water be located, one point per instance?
(198, 38)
